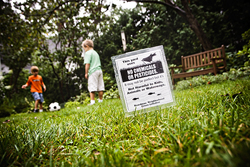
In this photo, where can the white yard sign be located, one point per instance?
(143, 79)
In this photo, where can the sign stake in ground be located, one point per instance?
(143, 80)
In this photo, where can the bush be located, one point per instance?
(3, 88)
(7, 108)
(246, 48)
(233, 74)
(235, 60)
(109, 81)
(112, 93)
(83, 98)
(72, 104)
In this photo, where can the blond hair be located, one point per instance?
(34, 69)
(88, 42)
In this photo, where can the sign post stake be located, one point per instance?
(123, 40)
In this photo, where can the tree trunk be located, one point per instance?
(187, 15)
(58, 78)
(195, 26)
(61, 90)
(16, 76)
(13, 80)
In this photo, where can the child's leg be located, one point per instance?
(36, 103)
(100, 95)
(92, 87)
(95, 83)
(37, 99)
(100, 86)
(41, 106)
(41, 102)
(92, 97)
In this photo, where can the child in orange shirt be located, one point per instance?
(36, 82)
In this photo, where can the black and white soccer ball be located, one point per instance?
(54, 106)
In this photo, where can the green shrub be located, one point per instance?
(112, 93)
(30, 105)
(22, 106)
(176, 70)
(109, 81)
(83, 98)
(72, 104)
(233, 74)
(3, 88)
(235, 60)
(246, 48)
(7, 108)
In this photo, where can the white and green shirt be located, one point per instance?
(92, 57)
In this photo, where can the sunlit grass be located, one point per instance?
(204, 128)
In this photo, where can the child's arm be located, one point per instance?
(87, 70)
(44, 87)
(25, 86)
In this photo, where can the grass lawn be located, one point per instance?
(204, 128)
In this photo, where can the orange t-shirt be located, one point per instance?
(36, 82)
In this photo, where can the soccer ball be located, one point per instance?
(54, 107)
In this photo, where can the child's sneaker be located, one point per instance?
(91, 102)
(40, 110)
(36, 110)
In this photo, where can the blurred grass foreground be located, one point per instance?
(208, 126)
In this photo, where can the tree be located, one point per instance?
(61, 18)
(18, 42)
(167, 29)
(109, 43)
(223, 21)
(187, 14)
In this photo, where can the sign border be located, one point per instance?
(114, 58)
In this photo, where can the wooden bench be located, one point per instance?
(214, 59)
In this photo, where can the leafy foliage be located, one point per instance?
(72, 104)
(14, 103)
(112, 93)
(83, 98)
(69, 23)
(223, 22)
(2, 89)
(235, 60)
(7, 108)
(18, 41)
(233, 74)
(49, 33)
(246, 48)
(162, 26)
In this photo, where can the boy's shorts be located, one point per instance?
(38, 96)
(95, 81)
